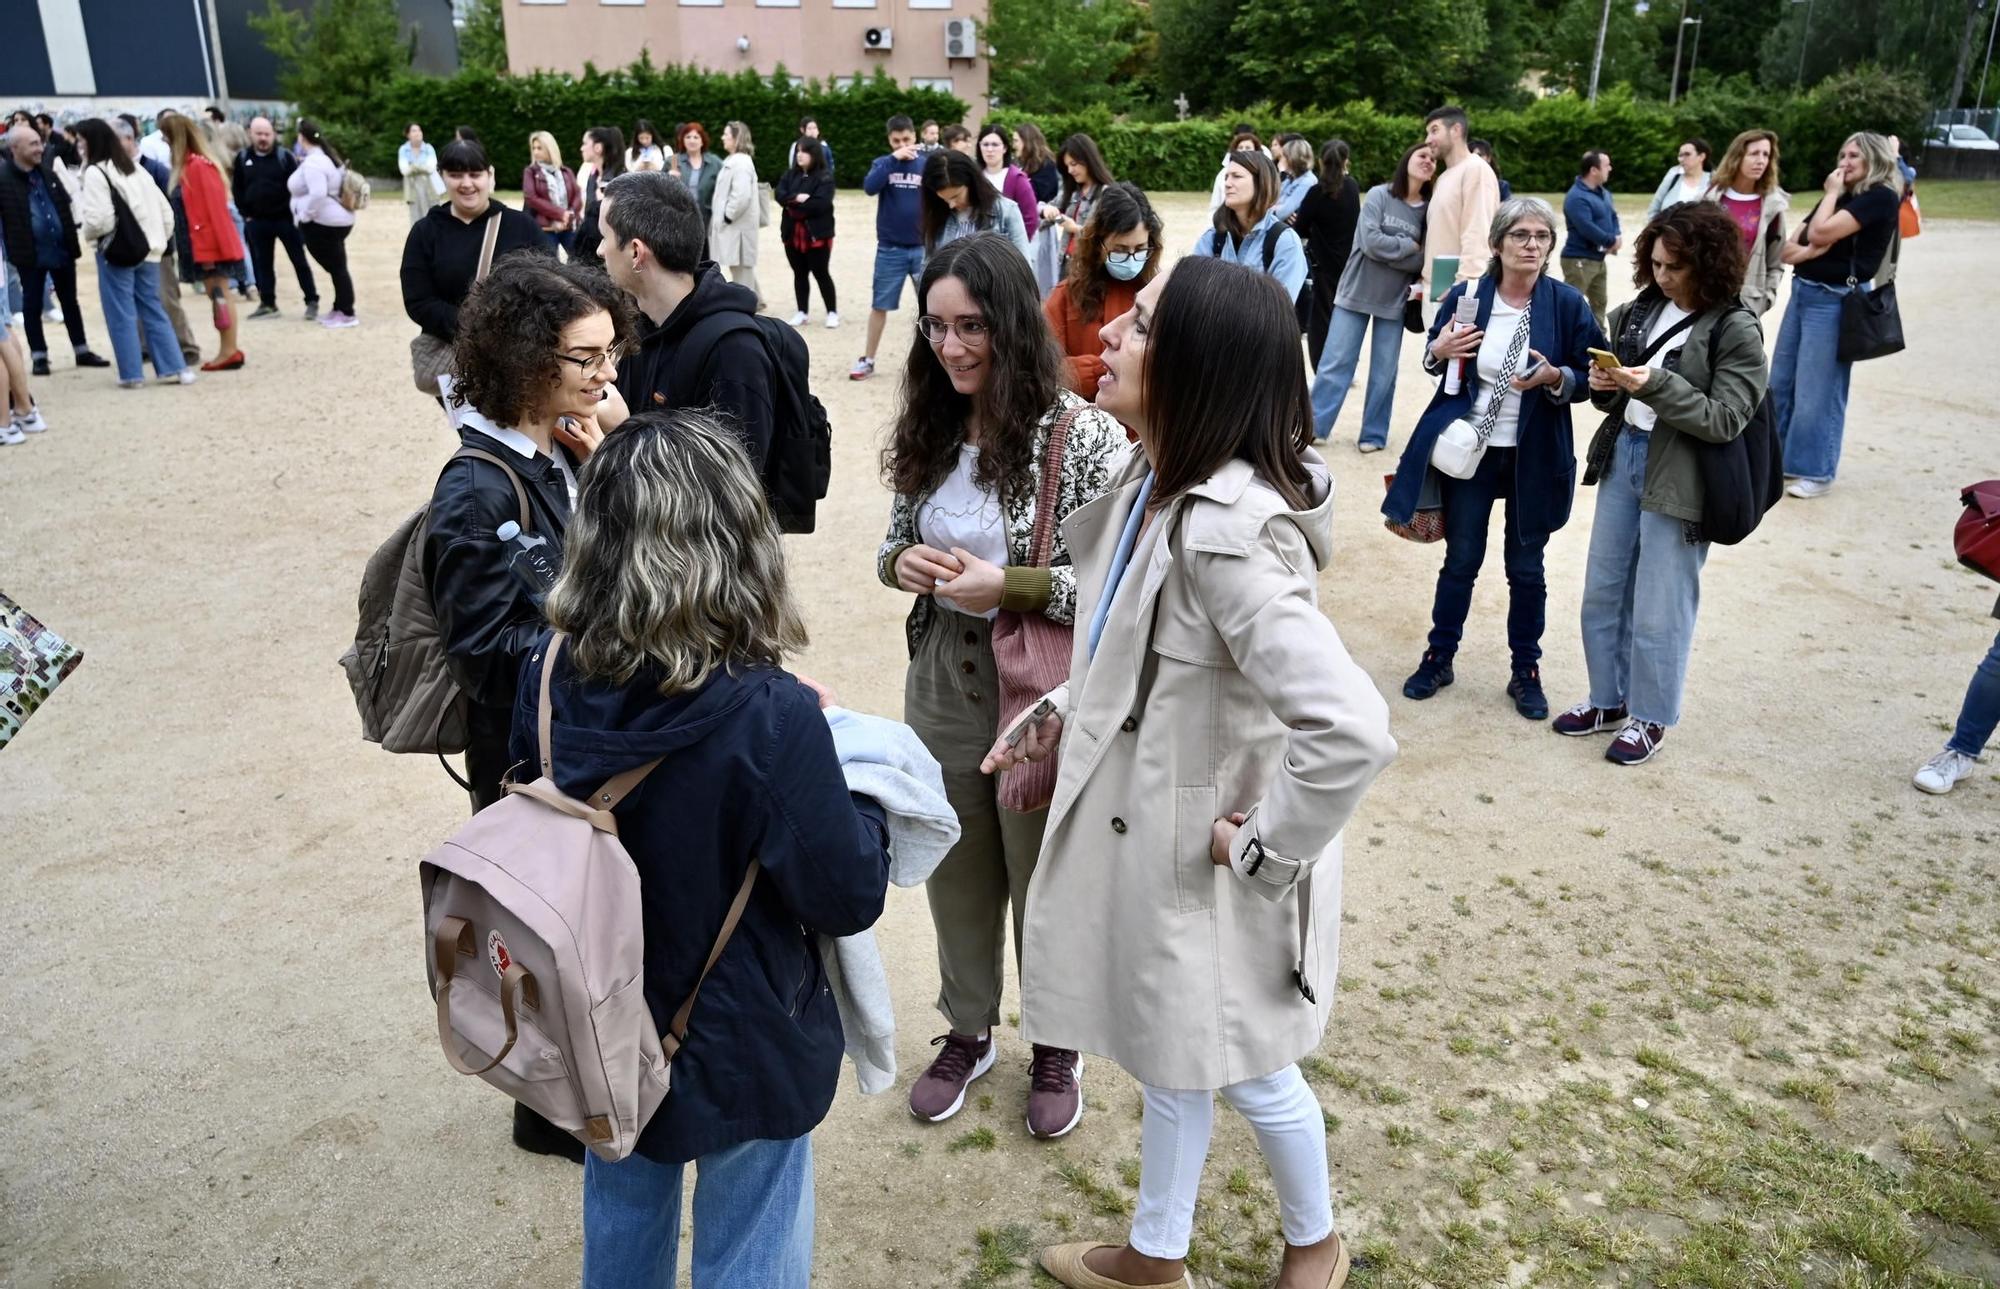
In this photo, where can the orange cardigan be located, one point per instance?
(1079, 339)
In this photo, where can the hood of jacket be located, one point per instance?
(712, 294)
(599, 729)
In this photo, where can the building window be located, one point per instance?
(930, 4)
(622, 2)
(777, 4)
(701, 4)
(544, 1)
(844, 82)
(931, 82)
(854, 4)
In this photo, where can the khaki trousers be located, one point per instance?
(951, 698)
(170, 297)
(1587, 276)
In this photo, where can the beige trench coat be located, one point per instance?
(1137, 947)
(732, 228)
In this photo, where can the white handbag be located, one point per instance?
(1461, 444)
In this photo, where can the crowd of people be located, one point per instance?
(1110, 511)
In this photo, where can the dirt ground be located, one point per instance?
(1728, 1018)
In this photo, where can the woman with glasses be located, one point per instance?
(982, 393)
(1118, 254)
(1686, 180)
(1517, 370)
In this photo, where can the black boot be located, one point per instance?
(1526, 691)
(538, 1136)
(1431, 675)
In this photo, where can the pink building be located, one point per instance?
(935, 43)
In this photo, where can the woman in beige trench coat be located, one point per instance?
(1215, 738)
(737, 211)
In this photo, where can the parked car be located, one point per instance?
(1969, 137)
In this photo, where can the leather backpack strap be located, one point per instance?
(486, 245)
(520, 492)
(544, 709)
(1051, 489)
(670, 1042)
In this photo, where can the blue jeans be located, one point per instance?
(1468, 513)
(892, 265)
(1641, 589)
(1981, 710)
(565, 241)
(753, 1219)
(1809, 382)
(131, 300)
(1336, 373)
(236, 218)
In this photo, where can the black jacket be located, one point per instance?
(484, 615)
(258, 183)
(1326, 225)
(816, 210)
(749, 772)
(17, 221)
(441, 258)
(737, 377)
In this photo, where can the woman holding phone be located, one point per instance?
(1215, 737)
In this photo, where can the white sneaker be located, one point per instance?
(1942, 771)
(187, 376)
(10, 434)
(832, 320)
(32, 423)
(1807, 489)
(799, 318)
(862, 369)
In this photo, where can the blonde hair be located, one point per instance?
(1298, 157)
(742, 135)
(548, 142)
(185, 138)
(1724, 179)
(672, 561)
(1880, 159)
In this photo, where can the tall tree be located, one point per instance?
(1631, 38)
(334, 57)
(1305, 52)
(1056, 55)
(1195, 55)
(482, 41)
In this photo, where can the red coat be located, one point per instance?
(211, 233)
(535, 196)
(1079, 339)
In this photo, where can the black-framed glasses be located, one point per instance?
(972, 332)
(596, 362)
(1129, 257)
(1531, 237)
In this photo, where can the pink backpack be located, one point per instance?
(538, 954)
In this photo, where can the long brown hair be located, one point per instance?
(1034, 148)
(1264, 174)
(1121, 207)
(1082, 149)
(1024, 376)
(1399, 186)
(184, 137)
(1223, 381)
(1724, 178)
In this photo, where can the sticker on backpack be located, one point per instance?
(496, 953)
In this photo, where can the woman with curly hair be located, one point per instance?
(1117, 255)
(1693, 374)
(982, 394)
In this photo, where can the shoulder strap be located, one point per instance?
(1667, 335)
(1051, 489)
(486, 245)
(1270, 245)
(615, 788)
(1215, 242)
(692, 357)
(670, 1042)
(520, 492)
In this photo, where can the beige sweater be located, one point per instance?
(1463, 202)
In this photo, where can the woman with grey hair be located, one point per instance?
(737, 210)
(672, 621)
(1502, 413)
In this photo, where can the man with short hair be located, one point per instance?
(154, 144)
(262, 172)
(896, 181)
(170, 283)
(58, 142)
(1593, 230)
(41, 243)
(1464, 199)
(652, 235)
(930, 142)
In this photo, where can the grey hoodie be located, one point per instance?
(1388, 256)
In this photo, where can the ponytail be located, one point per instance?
(309, 131)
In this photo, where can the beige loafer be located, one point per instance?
(1065, 1263)
(1341, 1266)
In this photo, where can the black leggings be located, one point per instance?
(328, 246)
(812, 262)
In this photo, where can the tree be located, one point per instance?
(1194, 56)
(1630, 40)
(1306, 52)
(334, 59)
(1051, 55)
(482, 41)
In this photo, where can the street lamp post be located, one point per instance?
(1597, 61)
(1680, 34)
(1805, 39)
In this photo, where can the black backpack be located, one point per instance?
(126, 247)
(1743, 478)
(1300, 307)
(800, 464)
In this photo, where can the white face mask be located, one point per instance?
(1127, 270)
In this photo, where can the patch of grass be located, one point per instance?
(997, 1254)
(910, 1149)
(1103, 1201)
(1960, 198)
(977, 1139)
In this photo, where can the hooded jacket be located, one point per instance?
(747, 771)
(736, 378)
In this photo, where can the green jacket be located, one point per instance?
(1692, 400)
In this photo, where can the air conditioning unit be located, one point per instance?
(878, 40)
(961, 38)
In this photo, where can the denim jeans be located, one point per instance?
(1468, 513)
(243, 265)
(1336, 373)
(753, 1219)
(131, 300)
(1981, 710)
(1809, 382)
(1641, 589)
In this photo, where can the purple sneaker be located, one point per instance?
(939, 1093)
(1055, 1092)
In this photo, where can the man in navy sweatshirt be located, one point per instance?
(1593, 230)
(896, 182)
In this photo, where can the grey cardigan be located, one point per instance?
(1388, 256)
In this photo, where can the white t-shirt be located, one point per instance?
(1500, 328)
(964, 514)
(998, 181)
(1637, 414)
(1690, 190)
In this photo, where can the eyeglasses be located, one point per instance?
(971, 332)
(1128, 257)
(595, 363)
(1531, 237)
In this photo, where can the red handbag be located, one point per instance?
(1977, 537)
(1031, 653)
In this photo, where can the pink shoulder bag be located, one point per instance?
(1031, 653)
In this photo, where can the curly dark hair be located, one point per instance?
(1023, 381)
(511, 323)
(1121, 207)
(1703, 237)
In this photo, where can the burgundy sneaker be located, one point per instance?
(1055, 1093)
(1636, 743)
(1584, 719)
(939, 1093)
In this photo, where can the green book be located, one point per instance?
(1444, 272)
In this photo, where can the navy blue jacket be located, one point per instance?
(749, 772)
(1561, 330)
(1592, 221)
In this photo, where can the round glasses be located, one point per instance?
(595, 363)
(971, 332)
(1531, 237)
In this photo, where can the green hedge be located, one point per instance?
(506, 109)
(1537, 147)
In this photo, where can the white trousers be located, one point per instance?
(1173, 1146)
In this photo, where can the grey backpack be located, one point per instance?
(404, 691)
